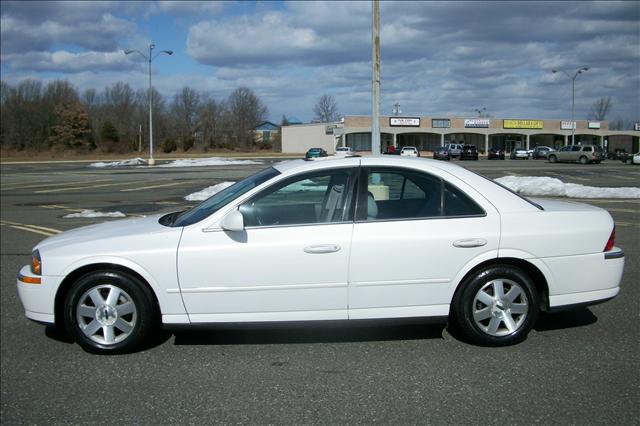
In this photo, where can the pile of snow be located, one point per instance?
(547, 186)
(304, 186)
(93, 213)
(211, 161)
(132, 162)
(208, 192)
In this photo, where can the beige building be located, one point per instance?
(427, 133)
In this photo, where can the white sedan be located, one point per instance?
(314, 241)
(410, 151)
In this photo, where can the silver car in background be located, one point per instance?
(577, 153)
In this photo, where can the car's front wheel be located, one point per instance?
(109, 312)
(553, 158)
(496, 306)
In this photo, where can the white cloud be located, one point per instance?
(67, 62)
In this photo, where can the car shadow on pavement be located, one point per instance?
(310, 332)
(578, 317)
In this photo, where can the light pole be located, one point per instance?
(480, 111)
(149, 59)
(573, 97)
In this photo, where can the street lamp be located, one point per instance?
(573, 97)
(149, 59)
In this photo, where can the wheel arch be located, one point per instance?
(81, 271)
(539, 279)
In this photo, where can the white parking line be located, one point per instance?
(16, 186)
(156, 186)
(83, 187)
(31, 228)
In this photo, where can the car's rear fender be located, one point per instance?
(537, 271)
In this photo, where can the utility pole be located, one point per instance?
(375, 82)
(140, 138)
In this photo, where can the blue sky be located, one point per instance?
(438, 58)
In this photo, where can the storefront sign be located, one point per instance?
(567, 125)
(404, 121)
(476, 122)
(522, 124)
(328, 130)
(440, 123)
(594, 124)
(636, 126)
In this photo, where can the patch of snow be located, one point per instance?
(132, 162)
(208, 192)
(93, 213)
(211, 161)
(304, 186)
(548, 186)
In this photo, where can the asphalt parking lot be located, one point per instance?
(579, 367)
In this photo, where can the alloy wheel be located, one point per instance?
(500, 307)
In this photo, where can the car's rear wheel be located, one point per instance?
(496, 306)
(583, 160)
(553, 158)
(109, 312)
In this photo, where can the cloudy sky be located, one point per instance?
(438, 58)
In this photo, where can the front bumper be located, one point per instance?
(38, 300)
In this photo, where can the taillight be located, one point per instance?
(612, 240)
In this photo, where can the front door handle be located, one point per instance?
(322, 248)
(470, 242)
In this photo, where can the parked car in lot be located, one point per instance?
(495, 153)
(410, 151)
(441, 153)
(246, 253)
(469, 152)
(315, 153)
(630, 158)
(344, 151)
(577, 153)
(617, 154)
(541, 152)
(455, 149)
(519, 154)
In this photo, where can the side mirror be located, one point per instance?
(233, 221)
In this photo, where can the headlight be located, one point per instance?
(36, 263)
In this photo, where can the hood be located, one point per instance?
(115, 229)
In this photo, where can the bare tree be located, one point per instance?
(600, 109)
(183, 112)
(210, 122)
(326, 109)
(245, 112)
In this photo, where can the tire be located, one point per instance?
(496, 306)
(583, 160)
(553, 159)
(105, 326)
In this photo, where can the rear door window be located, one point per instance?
(393, 194)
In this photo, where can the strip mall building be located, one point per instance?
(427, 133)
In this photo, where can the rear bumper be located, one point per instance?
(586, 279)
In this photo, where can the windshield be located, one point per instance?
(222, 198)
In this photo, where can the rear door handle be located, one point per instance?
(470, 242)
(322, 248)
